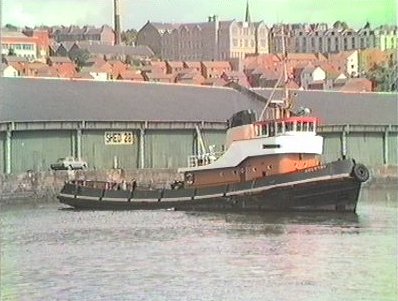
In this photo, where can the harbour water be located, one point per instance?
(49, 253)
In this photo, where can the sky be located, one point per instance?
(135, 13)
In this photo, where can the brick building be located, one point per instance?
(205, 41)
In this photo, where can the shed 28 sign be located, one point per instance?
(118, 138)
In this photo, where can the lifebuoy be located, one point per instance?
(360, 172)
(189, 178)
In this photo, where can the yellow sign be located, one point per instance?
(119, 138)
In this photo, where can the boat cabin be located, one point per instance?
(255, 149)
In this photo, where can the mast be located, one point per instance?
(286, 100)
(281, 111)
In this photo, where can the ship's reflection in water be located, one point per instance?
(50, 254)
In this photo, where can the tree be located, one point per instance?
(384, 77)
(11, 27)
(80, 57)
(129, 37)
(340, 25)
(11, 52)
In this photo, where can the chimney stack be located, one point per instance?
(116, 8)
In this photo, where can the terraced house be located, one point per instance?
(313, 38)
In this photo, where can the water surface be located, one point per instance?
(52, 254)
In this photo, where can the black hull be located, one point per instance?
(335, 187)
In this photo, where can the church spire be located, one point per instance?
(247, 18)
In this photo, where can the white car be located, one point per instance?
(69, 163)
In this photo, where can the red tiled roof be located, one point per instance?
(220, 82)
(357, 85)
(189, 64)
(175, 64)
(18, 66)
(216, 64)
(130, 75)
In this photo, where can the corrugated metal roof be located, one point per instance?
(35, 99)
(347, 107)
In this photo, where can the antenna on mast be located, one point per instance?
(284, 59)
(286, 101)
(281, 110)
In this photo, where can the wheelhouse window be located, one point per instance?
(279, 128)
(264, 130)
(271, 129)
(289, 126)
(299, 126)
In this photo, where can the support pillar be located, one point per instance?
(344, 141)
(385, 145)
(142, 149)
(8, 152)
(79, 143)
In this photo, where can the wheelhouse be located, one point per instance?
(288, 126)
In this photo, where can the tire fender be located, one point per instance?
(360, 172)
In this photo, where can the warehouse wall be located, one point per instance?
(103, 156)
(368, 147)
(36, 150)
(2, 152)
(331, 146)
(169, 148)
(393, 148)
(214, 137)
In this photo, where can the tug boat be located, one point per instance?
(272, 164)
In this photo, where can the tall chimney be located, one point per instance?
(116, 8)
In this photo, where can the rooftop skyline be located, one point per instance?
(135, 13)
